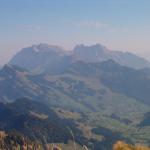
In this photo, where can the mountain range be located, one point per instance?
(102, 95)
(39, 57)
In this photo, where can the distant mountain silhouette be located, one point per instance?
(98, 53)
(39, 57)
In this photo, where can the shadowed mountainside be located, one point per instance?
(82, 88)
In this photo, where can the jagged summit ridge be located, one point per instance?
(42, 47)
(44, 55)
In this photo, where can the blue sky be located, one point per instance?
(118, 24)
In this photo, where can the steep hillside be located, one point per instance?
(38, 57)
(99, 53)
(82, 89)
(37, 121)
(40, 124)
(14, 84)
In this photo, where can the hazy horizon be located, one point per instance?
(6, 57)
(119, 25)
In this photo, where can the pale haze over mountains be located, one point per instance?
(119, 25)
(80, 50)
(32, 57)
